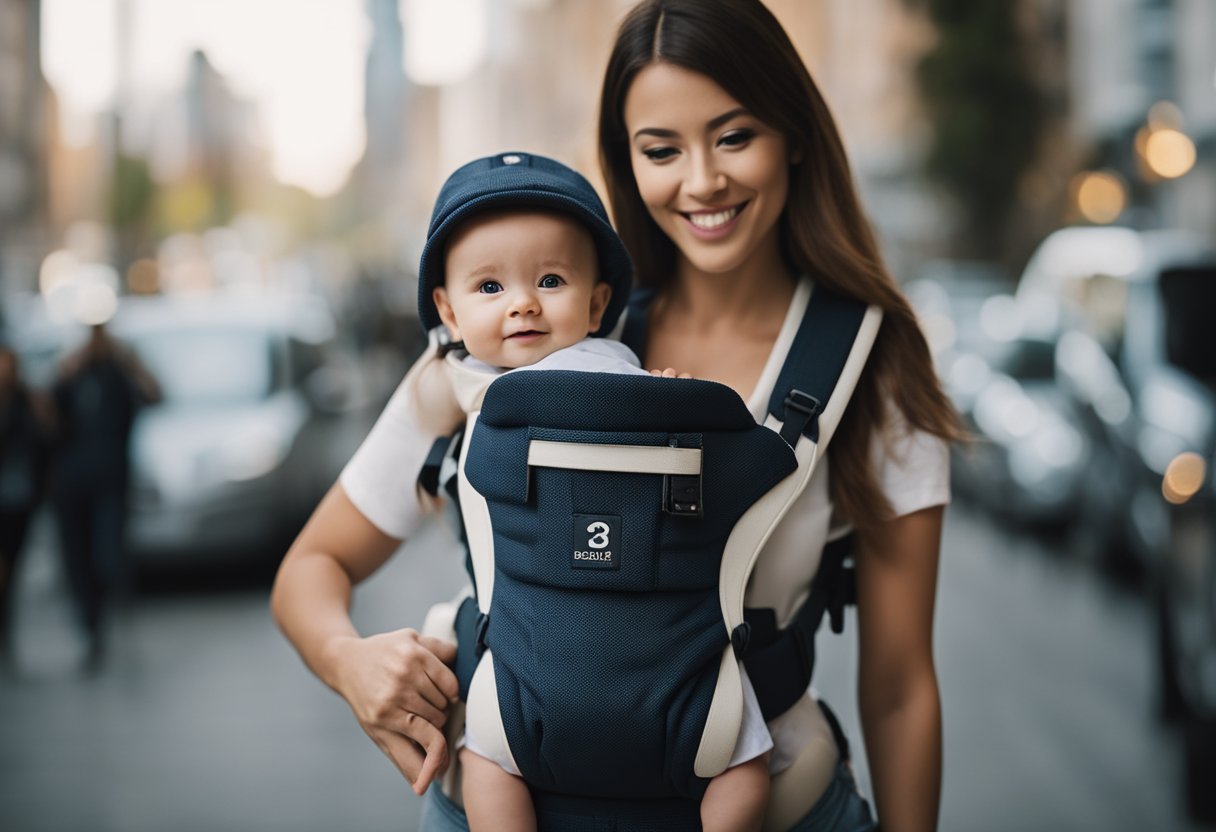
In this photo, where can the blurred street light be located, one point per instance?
(1183, 477)
(1164, 115)
(1169, 153)
(1101, 196)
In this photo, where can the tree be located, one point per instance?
(987, 113)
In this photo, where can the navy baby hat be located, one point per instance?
(522, 180)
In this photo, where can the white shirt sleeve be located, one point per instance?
(381, 478)
(913, 467)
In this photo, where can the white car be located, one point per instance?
(255, 423)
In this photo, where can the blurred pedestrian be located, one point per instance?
(97, 393)
(23, 458)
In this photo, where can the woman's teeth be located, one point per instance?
(709, 222)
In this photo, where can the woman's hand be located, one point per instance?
(399, 688)
(670, 373)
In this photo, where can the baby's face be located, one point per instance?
(519, 286)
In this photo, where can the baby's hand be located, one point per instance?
(670, 373)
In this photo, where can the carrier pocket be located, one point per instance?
(580, 509)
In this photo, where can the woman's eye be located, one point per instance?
(490, 287)
(735, 138)
(550, 281)
(658, 154)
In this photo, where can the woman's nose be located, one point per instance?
(704, 180)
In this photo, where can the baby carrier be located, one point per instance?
(612, 523)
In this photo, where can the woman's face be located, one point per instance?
(712, 175)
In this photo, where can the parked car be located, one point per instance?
(1138, 357)
(256, 421)
(260, 410)
(1025, 463)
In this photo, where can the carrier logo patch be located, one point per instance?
(597, 542)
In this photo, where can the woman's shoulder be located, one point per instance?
(912, 465)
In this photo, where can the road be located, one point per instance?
(204, 718)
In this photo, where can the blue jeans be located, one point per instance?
(840, 809)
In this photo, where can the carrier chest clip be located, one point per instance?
(682, 493)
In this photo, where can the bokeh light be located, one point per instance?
(1165, 115)
(1169, 153)
(1101, 196)
(1183, 477)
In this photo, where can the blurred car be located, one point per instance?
(1097, 291)
(1138, 356)
(1026, 462)
(260, 411)
(256, 420)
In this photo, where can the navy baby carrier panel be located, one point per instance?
(605, 670)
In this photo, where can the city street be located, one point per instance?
(205, 719)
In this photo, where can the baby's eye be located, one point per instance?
(490, 287)
(550, 281)
(659, 154)
(735, 138)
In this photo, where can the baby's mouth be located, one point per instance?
(526, 333)
(710, 220)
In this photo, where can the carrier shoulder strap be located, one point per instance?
(826, 356)
(817, 378)
(820, 371)
(822, 366)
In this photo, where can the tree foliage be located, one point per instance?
(986, 110)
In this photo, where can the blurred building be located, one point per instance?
(1126, 56)
(378, 176)
(203, 143)
(537, 88)
(24, 132)
(863, 56)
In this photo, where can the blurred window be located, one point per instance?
(1030, 360)
(208, 366)
(305, 359)
(1101, 301)
(1189, 299)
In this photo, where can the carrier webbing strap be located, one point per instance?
(832, 342)
(428, 477)
(815, 362)
(780, 662)
(635, 320)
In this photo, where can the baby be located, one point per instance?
(521, 267)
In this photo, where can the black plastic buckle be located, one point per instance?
(682, 495)
(483, 624)
(682, 492)
(740, 639)
(801, 410)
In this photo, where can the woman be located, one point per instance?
(729, 185)
(728, 181)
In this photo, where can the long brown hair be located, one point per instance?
(823, 232)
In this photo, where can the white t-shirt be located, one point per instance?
(913, 470)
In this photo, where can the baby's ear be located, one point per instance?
(444, 307)
(600, 295)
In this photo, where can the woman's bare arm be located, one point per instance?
(396, 683)
(898, 693)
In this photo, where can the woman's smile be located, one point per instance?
(714, 223)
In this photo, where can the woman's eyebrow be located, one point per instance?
(713, 124)
(718, 121)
